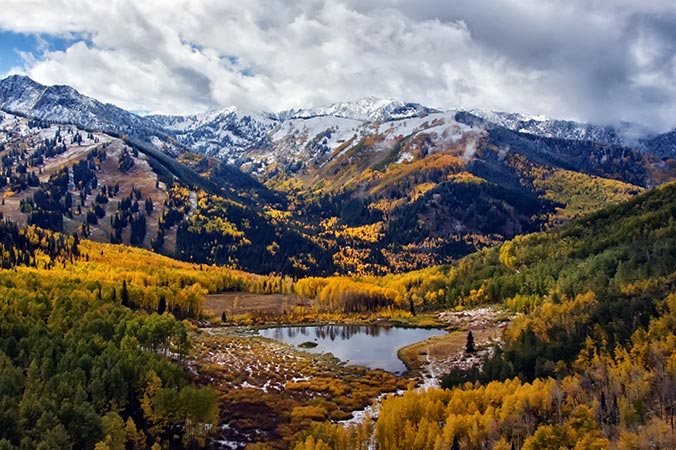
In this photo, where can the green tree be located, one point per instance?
(114, 429)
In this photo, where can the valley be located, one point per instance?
(144, 256)
(291, 386)
(368, 188)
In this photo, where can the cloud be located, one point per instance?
(587, 60)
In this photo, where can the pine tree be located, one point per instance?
(149, 206)
(124, 294)
(469, 346)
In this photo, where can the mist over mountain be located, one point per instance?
(231, 133)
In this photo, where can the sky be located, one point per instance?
(600, 61)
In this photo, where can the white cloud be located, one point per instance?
(575, 59)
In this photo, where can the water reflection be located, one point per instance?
(331, 332)
(374, 346)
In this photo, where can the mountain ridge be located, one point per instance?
(230, 132)
(64, 104)
(325, 194)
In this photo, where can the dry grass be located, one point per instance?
(140, 177)
(269, 391)
(240, 303)
(437, 355)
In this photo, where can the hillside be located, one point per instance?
(588, 363)
(595, 296)
(84, 354)
(108, 189)
(367, 187)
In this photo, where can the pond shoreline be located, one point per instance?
(374, 346)
(291, 386)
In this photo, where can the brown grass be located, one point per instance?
(239, 303)
(437, 349)
(440, 353)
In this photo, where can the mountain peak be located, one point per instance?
(18, 93)
(63, 104)
(367, 109)
(627, 134)
(20, 79)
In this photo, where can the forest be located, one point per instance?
(590, 363)
(97, 339)
(93, 343)
(371, 215)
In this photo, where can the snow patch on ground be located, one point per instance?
(405, 157)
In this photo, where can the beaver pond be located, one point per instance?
(374, 346)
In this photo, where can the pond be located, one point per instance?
(373, 346)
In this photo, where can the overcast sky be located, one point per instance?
(596, 60)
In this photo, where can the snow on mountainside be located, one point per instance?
(225, 133)
(298, 135)
(311, 138)
(627, 134)
(19, 93)
(317, 140)
(63, 104)
(370, 109)
(663, 145)
(232, 134)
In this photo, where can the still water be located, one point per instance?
(373, 346)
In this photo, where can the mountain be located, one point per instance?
(624, 134)
(230, 133)
(365, 187)
(369, 109)
(663, 145)
(226, 133)
(115, 190)
(63, 104)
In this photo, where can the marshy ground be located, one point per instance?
(270, 391)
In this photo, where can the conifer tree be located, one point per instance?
(124, 294)
(469, 346)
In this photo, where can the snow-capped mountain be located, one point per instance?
(233, 135)
(663, 145)
(19, 94)
(63, 104)
(370, 109)
(225, 133)
(312, 135)
(314, 141)
(626, 134)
